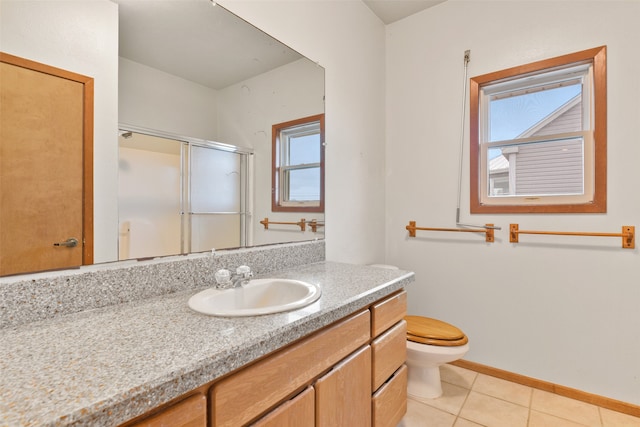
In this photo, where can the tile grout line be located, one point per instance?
(530, 406)
(546, 411)
(464, 402)
(574, 394)
(502, 399)
(542, 410)
(455, 420)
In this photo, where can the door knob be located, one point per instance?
(71, 242)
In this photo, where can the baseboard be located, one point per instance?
(594, 399)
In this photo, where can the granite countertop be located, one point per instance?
(105, 366)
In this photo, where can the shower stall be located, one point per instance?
(178, 195)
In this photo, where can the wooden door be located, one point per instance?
(343, 396)
(46, 167)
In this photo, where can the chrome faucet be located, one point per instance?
(225, 279)
(242, 277)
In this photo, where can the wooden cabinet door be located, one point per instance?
(343, 396)
(297, 412)
(245, 395)
(191, 412)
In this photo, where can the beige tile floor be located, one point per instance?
(471, 399)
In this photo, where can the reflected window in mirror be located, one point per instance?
(538, 136)
(298, 165)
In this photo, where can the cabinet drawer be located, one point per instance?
(251, 391)
(386, 313)
(389, 404)
(191, 412)
(389, 353)
(297, 412)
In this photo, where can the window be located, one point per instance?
(298, 165)
(538, 136)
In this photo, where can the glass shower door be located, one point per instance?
(217, 198)
(149, 196)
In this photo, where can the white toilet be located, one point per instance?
(431, 343)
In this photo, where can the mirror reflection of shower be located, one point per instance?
(166, 203)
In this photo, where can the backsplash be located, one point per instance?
(46, 295)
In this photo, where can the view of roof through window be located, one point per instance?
(512, 116)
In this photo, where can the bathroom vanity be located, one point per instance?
(349, 373)
(153, 361)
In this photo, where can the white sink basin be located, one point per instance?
(260, 296)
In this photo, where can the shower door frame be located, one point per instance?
(246, 178)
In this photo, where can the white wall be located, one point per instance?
(153, 99)
(561, 309)
(347, 40)
(80, 36)
(247, 112)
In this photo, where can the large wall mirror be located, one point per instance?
(196, 71)
(199, 90)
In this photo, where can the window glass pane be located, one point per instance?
(543, 168)
(535, 111)
(304, 184)
(304, 149)
(298, 165)
(538, 136)
(498, 173)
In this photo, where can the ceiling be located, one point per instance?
(212, 47)
(393, 10)
(197, 41)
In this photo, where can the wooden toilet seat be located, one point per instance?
(425, 330)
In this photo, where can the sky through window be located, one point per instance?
(512, 116)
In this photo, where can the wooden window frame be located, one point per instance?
(598, 204)
(276, 206)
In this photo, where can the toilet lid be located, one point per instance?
(433, 332)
